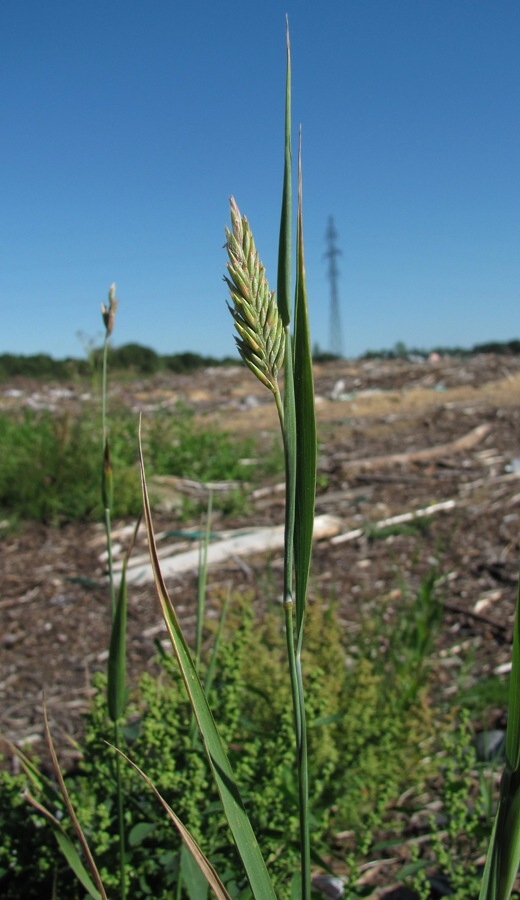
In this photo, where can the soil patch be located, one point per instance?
(54, 615)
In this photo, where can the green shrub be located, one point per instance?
(175, 444)
(453, 838)
(29, 858)
(363, 746)
(50, 468)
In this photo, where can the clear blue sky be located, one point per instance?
(127, 124)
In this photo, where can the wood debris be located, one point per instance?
(466, 442)
(250, 543)
(395, 520)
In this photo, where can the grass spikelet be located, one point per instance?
(108, 313)
(261, 340)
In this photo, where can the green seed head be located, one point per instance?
(261, 340)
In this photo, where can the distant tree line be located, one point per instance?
(503, 348)
(145, 361)
(131, 358)
(136, 359)
(401, 351)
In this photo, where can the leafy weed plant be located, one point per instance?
(360, 757)
(49, 469)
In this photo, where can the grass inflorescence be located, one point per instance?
(261, 337)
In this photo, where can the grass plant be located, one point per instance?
(117, 690)
(265, 340)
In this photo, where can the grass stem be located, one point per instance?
(120, 816)
(118, 670)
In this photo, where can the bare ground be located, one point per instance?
(54, 617)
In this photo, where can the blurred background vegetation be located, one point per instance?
(139, 360)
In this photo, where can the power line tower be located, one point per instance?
(335, 335)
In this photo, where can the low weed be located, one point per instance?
(454, 824)
(363, 744)
(487, 693)
(178, 445)
(50, 469)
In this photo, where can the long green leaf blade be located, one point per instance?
(203, 863)
(503, 857)
(304, 519)
(283, 292)
(70, 809)
(201, 586)
(116, 679)
(42, 784)
(489, 880)
(513, 720)
(68, 849)
(74, 860)
(284, 255)
(236, 815)
(305, 425)
(117, 692)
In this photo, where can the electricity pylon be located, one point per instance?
(335, 335)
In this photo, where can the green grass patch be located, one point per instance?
(50, 467)
(488, 693)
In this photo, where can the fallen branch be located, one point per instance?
(478, 617)
(466, 442)
(394, 520)
(257, 540)
(174, 484)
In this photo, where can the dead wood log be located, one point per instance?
(394, 520)
(466, 442)
(256, 540)
(478, 617)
